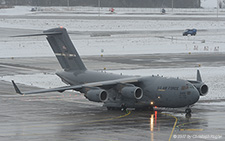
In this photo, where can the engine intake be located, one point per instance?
(97, 95)
(202, 88)
(132, 92)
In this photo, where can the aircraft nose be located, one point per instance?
(195, 96)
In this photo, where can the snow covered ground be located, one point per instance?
(150, 42)
(18, 10)
(209, 39)
(209, 3)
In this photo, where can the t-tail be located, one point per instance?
(64, 49)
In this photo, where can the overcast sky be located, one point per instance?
(209, 3)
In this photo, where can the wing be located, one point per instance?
(79, 87)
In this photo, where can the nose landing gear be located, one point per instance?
(188, 112)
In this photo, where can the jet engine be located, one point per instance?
(97, 95)
(132, 92)
(202, 88)
(199, 85)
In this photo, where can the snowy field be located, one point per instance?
(209, 39)
(154, 40)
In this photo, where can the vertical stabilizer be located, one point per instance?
(199, 78)
(64, 49)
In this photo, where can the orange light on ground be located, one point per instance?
(156, 114)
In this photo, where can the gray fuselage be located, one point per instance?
(157, 91)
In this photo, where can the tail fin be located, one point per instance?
(64, 49)
(199, 78)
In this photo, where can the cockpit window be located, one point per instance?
(191, 86)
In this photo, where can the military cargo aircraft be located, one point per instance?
(117, 91)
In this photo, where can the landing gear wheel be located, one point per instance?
(123, 109)
(188, 115)
(188, 110)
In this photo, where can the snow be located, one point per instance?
(18, 10)
(209, 3)
(42, 80)
(135, 43)
(138, 43)
(127, 45)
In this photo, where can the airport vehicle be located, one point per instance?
(117, 91)
(192, 32)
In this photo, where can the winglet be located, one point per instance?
(199, 78)
(16, 88)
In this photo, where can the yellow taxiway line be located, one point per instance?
(174, 125)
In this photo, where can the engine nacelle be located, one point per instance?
(202, 88)
(97, 95)
(132, 92)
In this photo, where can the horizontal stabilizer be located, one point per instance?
(40, 34)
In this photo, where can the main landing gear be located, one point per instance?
(122, 108)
